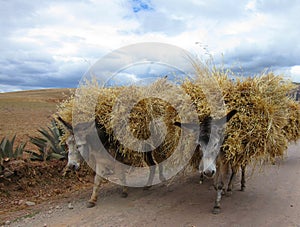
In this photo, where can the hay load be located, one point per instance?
(292, 128)
(267, 119)
(136, 116)
(257, 132)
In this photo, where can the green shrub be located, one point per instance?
(7, 151)
(49, 146)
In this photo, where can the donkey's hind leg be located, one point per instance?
(230, 183)
(161, 173)
(94, 196)
(152, 167)
(122, 173)
(243, 180)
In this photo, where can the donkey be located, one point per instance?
(84, 145)
(212, 163)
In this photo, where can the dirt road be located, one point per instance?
(272, 198)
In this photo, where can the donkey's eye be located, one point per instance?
(79, 147)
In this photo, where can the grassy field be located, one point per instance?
(22, 113)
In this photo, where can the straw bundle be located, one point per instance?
(140, 118)
(292, 129)
(267, 119)
(256, 132)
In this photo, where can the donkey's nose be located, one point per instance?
(209, 174)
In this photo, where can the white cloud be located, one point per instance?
(295, 73)
(57, 39)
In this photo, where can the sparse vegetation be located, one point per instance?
(7, 150)
(49, 146)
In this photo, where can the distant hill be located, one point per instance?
(50, 95)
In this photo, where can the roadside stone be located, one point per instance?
(26, 220)
(70, 206)
(7, 222)
(29, 203)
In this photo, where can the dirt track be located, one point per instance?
(272, 198)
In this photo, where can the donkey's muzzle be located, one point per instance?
(69, 168)
(209, 174)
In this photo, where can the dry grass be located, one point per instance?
(139, 117)
(266, 122)
(256, 132)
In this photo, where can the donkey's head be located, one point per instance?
(77, 144)
(210, 140)
(74, 156)
(83, 144)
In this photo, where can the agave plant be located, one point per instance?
(48, 144)
(7, 151)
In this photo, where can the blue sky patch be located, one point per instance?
(141, 5)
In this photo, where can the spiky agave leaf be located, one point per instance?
(7, 149)
(19, 150)
(48, 144)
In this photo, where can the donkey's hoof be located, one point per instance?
(124, 194)
(90, 204)
(243, 188)
(228, 193)
(162, 179)
(147, 188)
(216, 210)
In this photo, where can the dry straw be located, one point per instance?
(267, 119)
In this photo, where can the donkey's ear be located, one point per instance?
(190, 126)
(230, 115)
(226, 118)
(85, 126)
(66, 124)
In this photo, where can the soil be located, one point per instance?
(23, 113)
(37, 182)
(272, 198)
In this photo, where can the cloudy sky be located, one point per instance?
(45, 44)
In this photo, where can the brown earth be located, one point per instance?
(22, 113)
(272, 196)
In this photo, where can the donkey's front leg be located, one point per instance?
(219, 188)
(120, 171)
(152, 174)
(201, 178)
(219, 180)
(94, 196)
(124, 193)
(151, 177)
